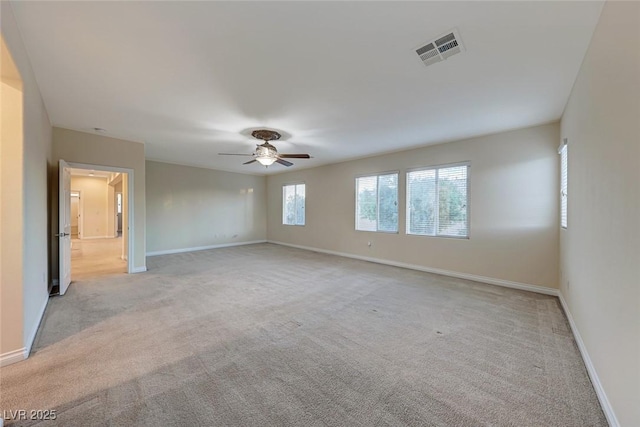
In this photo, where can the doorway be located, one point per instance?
(12, 208)
(99, 221)
(119, 213)
(75, 215)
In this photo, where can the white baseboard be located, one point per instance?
(591, 370)
(475, 278)
(139, 269)
(13, 356)
(32, 335)
(22, 353)
(203, 248)
(96, 237)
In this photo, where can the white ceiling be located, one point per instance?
(88, 172)
(341, 79)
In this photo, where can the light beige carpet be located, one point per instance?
(266, 335)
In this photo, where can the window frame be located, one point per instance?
(563, 151)
(378, 175)
(295, 185)
(468, 204)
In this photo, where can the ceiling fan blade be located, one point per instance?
(233, 154)
(284, 162)
(294, 156)
(249, 162)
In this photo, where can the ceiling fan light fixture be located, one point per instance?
(266, 160)
(265, 153)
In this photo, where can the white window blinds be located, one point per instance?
(377, 203)
(421, 202)
(293, 204)
(563, 185)
(437, 201)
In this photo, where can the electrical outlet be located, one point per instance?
(369, 244)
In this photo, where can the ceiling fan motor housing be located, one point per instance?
(266, 135)
(266, 150)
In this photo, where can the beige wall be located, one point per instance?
(92, 149)
(513, 208)
(94, 193)
(36, 169)
(11, 206)
(111, 211)
(193, 207)
(600, 249)
(75, 212)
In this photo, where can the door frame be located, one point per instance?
(130, 198)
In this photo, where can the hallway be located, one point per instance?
(91, 258)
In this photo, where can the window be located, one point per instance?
(437, 201)
(293, 204)
(563, 184)
(377, 203)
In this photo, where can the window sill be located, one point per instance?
(440, 236)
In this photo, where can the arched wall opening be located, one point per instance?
(11, 209)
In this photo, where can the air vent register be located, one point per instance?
(441, 48)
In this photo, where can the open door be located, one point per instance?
(64, 225)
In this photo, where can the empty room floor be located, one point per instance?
(267, 335)
(92, 258)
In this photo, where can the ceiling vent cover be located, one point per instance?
(441, 48)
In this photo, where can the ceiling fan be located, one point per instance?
(266, 154)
